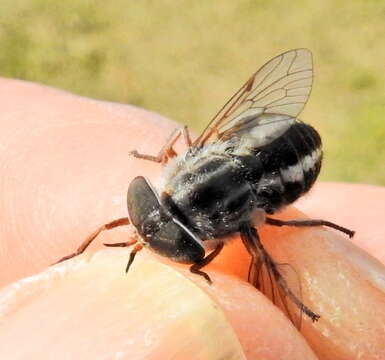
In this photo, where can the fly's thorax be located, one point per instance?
(210, 193)
(189, 167)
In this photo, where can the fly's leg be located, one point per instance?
(91, 238)
(133, 253)
(307, 223)
(167, 151)
(186, 136)
(121, 244)
(257, 251)
(196, 268)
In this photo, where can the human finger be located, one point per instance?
(70, 168)
(239, 259)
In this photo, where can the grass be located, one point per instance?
(184, 59)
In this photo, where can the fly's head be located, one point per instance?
(158, 229)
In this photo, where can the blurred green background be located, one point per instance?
(184, 59)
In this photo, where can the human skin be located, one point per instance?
(65, 171)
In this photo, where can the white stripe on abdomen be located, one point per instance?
(295, 173)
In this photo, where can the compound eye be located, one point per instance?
(142, 201)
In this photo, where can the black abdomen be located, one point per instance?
(287, 166)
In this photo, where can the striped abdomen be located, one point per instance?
(286, 167)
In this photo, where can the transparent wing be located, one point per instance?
(279, 282)
(281, 86)
(261, 275)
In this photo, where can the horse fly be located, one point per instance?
(254, 158)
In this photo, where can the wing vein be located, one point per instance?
(272, 91)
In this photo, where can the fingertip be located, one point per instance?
(357, 206)
(339, 281)
(67, 170)
(91, 307)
